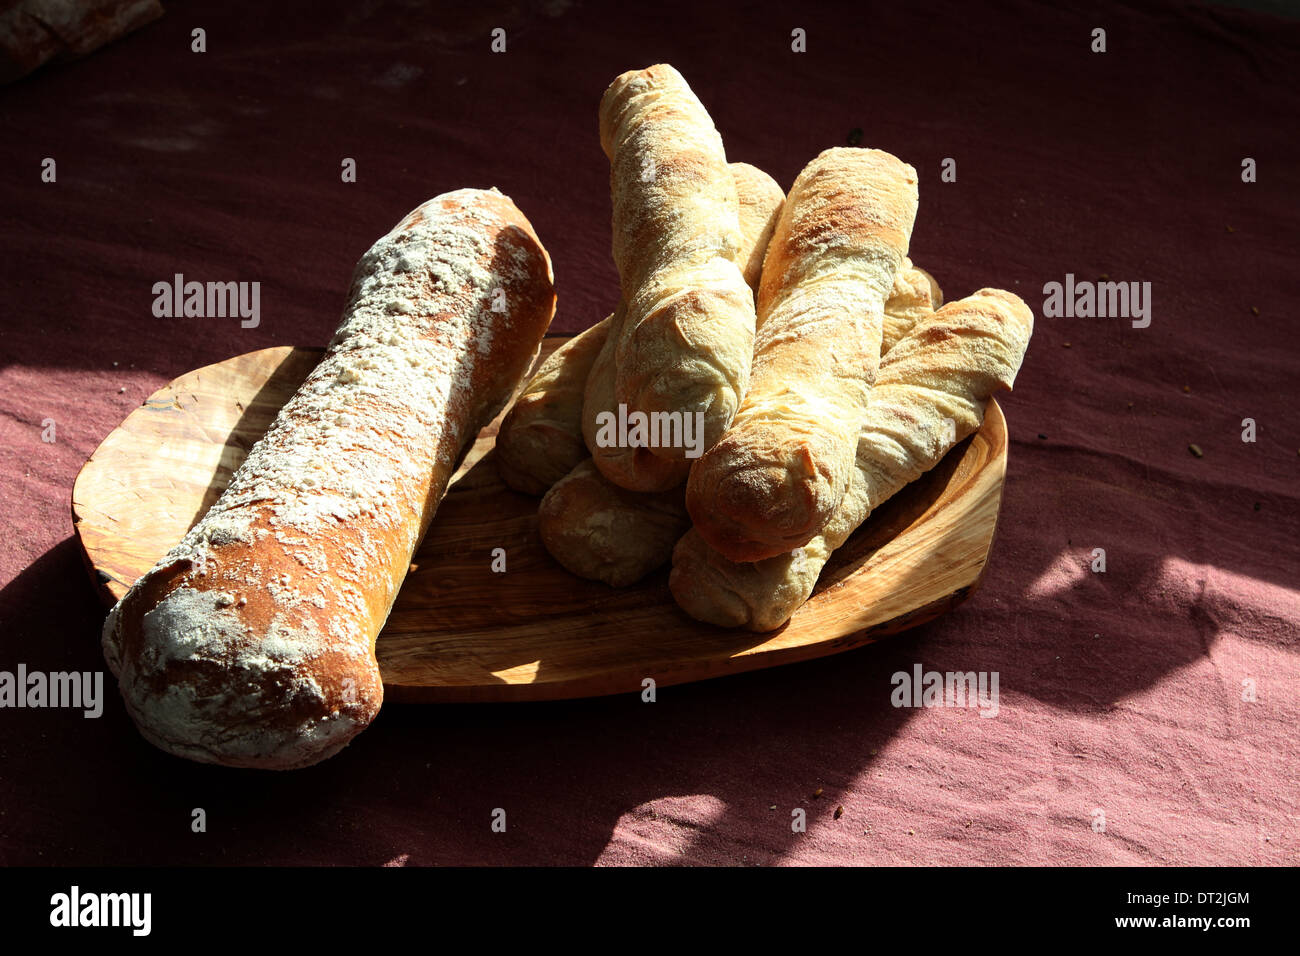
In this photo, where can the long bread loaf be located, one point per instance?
(930, 394)
(252, 643)
(782, 468)
(686, 342)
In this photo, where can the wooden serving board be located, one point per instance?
(461, 632)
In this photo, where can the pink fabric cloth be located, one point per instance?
(1120, 692)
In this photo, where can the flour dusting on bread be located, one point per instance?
(255, 642)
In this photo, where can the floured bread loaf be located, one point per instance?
(686, 341)
(252, 642)
(782, 468)
(942, 372)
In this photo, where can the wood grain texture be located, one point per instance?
(460, 631)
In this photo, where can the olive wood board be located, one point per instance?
(460, 631)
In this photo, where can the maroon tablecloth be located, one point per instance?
(1121, 693)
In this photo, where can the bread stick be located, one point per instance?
(252, 642)
(686, 343)
(945, 369)
(783, 467)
